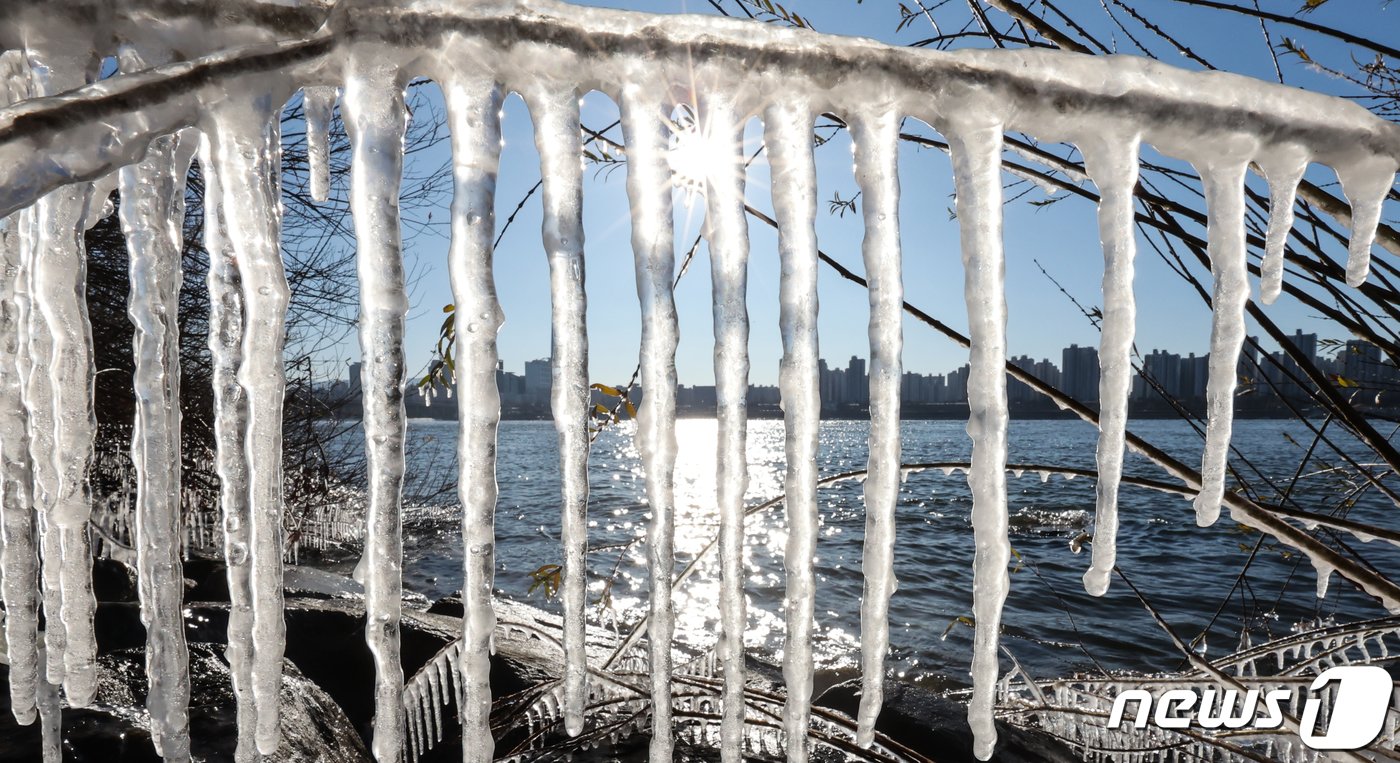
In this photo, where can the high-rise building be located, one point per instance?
(1081, 372)
(857, 383)
(1361, 363)
(539, 378)
(1306, 344)
(1195, 373)
(1164, 371)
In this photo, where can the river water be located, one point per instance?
(1051, 626)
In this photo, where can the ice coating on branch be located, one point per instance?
(653, 250)
(152, 218)
(976, 153)
(1365, 183)
(875, 138)
(1224, 184)
(246, 153)
(788, 138)
(726, 230)
(1283, 168)
(1112, 161)
(375, 118)
(473, 112)
(318, 105)
(230, 454)
(555, 112)
(1038, 87)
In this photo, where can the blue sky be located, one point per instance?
(1062, 237)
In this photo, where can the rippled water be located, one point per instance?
(1051, 626)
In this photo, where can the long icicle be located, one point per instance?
(375, 117)
(1224, 185)
(1112, 162)
(247, 156)
(788, 138)
(38, 403)
(152, 218)
(653, 252)
(230, 455)
(726, 230)
(976, 154)
(473, 107)
(58, 278)
(1284, 168)
(876, 139)
(20, 559)
(556, 116)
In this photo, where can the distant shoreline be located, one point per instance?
(953, 412)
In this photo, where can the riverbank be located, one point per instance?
(326, 704)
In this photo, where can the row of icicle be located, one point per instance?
(46, 377)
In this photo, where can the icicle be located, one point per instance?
(1366, 184)
(19, 584)
(410, 706)
(1224, 184)
(1324, 576)
(375, 117)
(58, 284)
(50, 719)
(1113, 163)
(152, 218)
(318, 106)
(653, 242)
(20, 559)
(788, 138)
(473, 106)
(876, 153)
(1284, 167)
(247, 157)
(556, 117)
(726, 230)
(976, 154)
(230, 458)
(434, 700)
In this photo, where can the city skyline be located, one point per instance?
(846, 388)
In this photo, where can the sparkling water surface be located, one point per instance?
(1051, 626)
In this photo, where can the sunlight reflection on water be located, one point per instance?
(1051, 625)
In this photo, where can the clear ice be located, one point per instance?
(60, 155)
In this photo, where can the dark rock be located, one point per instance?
(113, 729)
(449, 605)
(936, 727)
(206, 580)
(118, 625)
(113, 581)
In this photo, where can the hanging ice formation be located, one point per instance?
(60, 156)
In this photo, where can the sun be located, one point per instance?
(698, 153)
